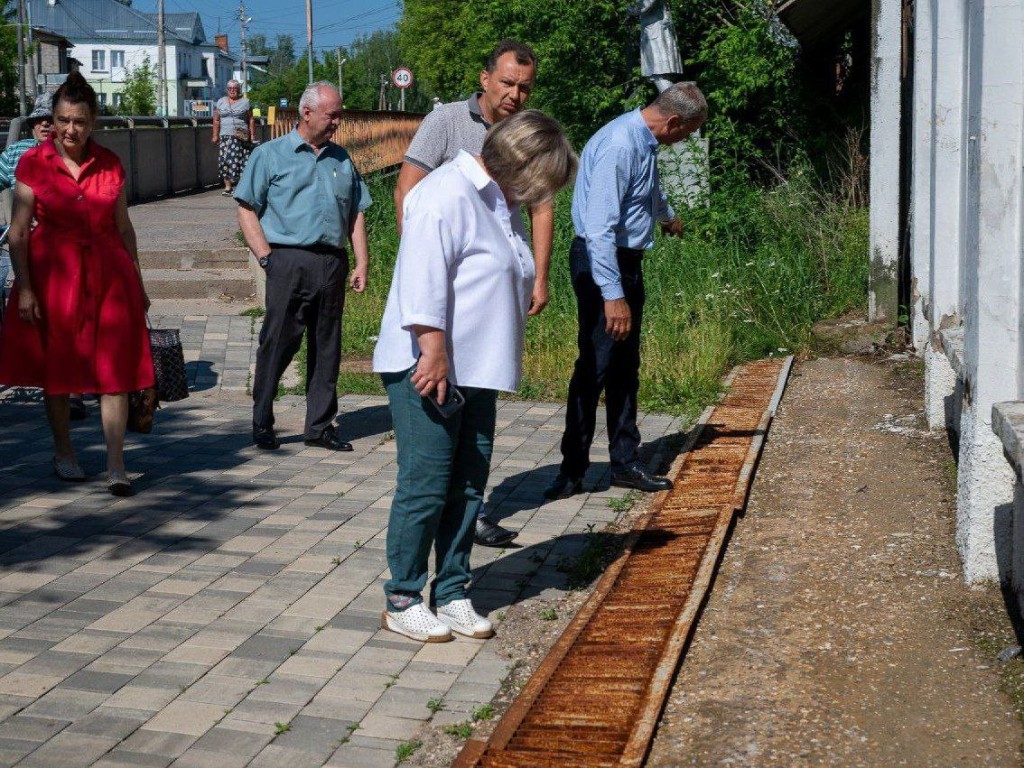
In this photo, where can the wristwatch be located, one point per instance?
(263, 261)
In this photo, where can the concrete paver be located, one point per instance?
(228, 614)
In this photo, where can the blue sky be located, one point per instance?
(335, 22)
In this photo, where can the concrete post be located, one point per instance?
(947, 205)
(991, 285)
(922, 147)
(883, 300)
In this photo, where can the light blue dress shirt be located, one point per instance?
(302, 198)
(618, 197)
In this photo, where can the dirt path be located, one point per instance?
(839, 631)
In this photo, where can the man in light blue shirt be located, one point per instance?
(299, 200)
(616, 202)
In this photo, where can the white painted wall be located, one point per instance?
(968, 241)
(885, 160)
(923, 170)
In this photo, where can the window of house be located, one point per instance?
(102, 99)
(116, 100)
(117, 59)
(99, 61)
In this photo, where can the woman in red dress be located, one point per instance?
(76, 320)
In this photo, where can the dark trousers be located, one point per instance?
(305, 293)
(603, 364)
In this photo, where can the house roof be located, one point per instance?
(86, 20)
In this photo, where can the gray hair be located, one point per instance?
(684, 100)
(311, 96)
(233, 82)
(528, 154)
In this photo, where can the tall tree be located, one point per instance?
(139, 94)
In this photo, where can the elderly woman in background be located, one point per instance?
(76, 320)
(233, 129)
(453, 331)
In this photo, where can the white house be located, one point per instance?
(110, 38)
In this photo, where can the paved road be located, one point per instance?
(228, 614)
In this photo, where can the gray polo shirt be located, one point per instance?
(448, 129)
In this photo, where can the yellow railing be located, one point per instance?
(376, 140)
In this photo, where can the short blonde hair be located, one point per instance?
(529, 155)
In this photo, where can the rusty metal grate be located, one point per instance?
(596, 697)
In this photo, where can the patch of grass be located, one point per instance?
(435, 705)
(359, 383)
(548, 614)
(461, 731)
(485, 712)
(406, 749)
(393, 680)
(591, 562)
(253, 312)
(280, 728)
(264, 681)
(318, 628)
(753, 273)
(625, 503)
(336, 561)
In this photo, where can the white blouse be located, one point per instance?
(464, 267)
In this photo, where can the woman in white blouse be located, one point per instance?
(453, 333)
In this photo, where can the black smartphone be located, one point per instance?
(453, 401)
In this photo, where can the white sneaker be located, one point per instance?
(460, 616)
(416, 622)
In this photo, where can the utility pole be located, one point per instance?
(21, 58)
(243, 22)
(161, 60)
(341, 77)
(309, 38)
(383, 101)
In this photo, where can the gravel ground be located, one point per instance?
(839, 631)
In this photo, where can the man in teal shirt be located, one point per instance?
(299, 199)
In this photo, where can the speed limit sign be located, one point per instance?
(402, 77)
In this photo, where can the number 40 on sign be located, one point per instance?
(402, 77)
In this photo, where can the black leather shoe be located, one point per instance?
(329, 439)
(563, 487)
(641, 479)
(264, 437)
(490, 534)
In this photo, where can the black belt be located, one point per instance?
(619, 249)
(319, 248)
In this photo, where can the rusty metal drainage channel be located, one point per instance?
(595, 699)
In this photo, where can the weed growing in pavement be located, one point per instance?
(393, 680)
(336, 561)
(435, 705)
(590, 563)
(406, 749)
(357, 544)
(264, 681)
(280, 728)
(625, 503)
(548, 614)
(318, 628)
(461, 730)
(253, 312)
(500, 616)
(485, 712)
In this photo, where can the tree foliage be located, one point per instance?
(139, 94)
(589, 64)
(8, 69)
(366, 60)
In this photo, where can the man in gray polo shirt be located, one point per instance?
(506, 82)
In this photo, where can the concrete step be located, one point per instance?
(198, 258)
(199, 283)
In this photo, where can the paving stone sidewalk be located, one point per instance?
(227, 615)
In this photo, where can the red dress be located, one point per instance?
(92, 337)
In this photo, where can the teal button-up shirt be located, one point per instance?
(303, 198)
